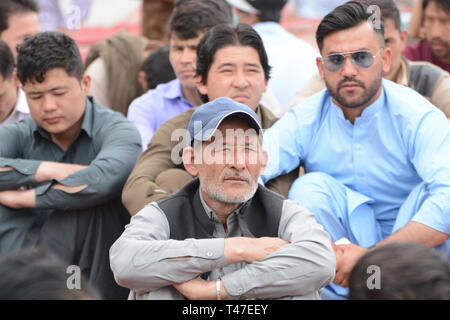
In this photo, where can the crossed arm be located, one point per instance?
(299, 262)
(47, 171)
(63, 186)
(238, 249)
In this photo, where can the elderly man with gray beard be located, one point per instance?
(223, 236)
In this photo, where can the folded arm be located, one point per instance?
(145, 259)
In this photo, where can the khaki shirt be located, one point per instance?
(440, 96)
(156, 176)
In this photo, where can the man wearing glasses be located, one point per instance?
(376, 154)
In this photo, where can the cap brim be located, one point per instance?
(243, 6)
(209, 129)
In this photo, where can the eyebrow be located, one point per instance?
(340, 52)
(52, 89)
(229, 64)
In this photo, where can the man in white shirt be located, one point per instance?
(291, 58)
(13, 105)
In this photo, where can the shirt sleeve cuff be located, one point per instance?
(25, 167)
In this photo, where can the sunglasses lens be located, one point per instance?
(334, 62)
(362, 59)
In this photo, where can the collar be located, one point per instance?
(268, 26)
(211, 214)
(21, 104)
(173, 90)
(403, 72)
(87, 124)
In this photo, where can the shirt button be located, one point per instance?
(240, 290)
(209, 254)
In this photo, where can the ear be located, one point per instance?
(86, 84)
(189, 161)
(201, 87)
(319, 64)
(264, 160)
(403, 38)
(387, 59)
(15, 78)
(142, 81)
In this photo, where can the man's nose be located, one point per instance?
(348, 68)
(188, 56)
(48, 103)
(240, 80)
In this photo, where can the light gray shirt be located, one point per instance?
(148, 262)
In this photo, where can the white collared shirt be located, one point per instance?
(20, 111)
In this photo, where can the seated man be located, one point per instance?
(429, 80)
(62, 169)
(223, 236)
(188, 23)
(231, 62)
(292, 58)
(13, 105)
(376, 153)
(435, 48)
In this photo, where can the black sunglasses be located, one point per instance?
(362, 58)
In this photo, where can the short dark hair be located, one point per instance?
(191, 17)
(37, 274)
(389, 10)
(6, 61)
(157, 67)
(408, 271)
(444, 4)
(269, 10)
(10, 7)
(226, 35)
(346, 16)
(45, 51)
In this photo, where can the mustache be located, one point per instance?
(354, 80)
(439, 41)
(240, 175)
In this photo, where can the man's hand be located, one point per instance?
(242, 249)
(346, 257)
(17, 199)
(6, 169)
(199, 289)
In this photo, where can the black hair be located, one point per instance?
(6, 61)
(10, 7)
(37, 274)
(389, 10)
(192, 17)
(405, 271)
(348, 15)
(45, 51)
(443, 4)
(269, 10)
(157, 67)
(225, 35)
